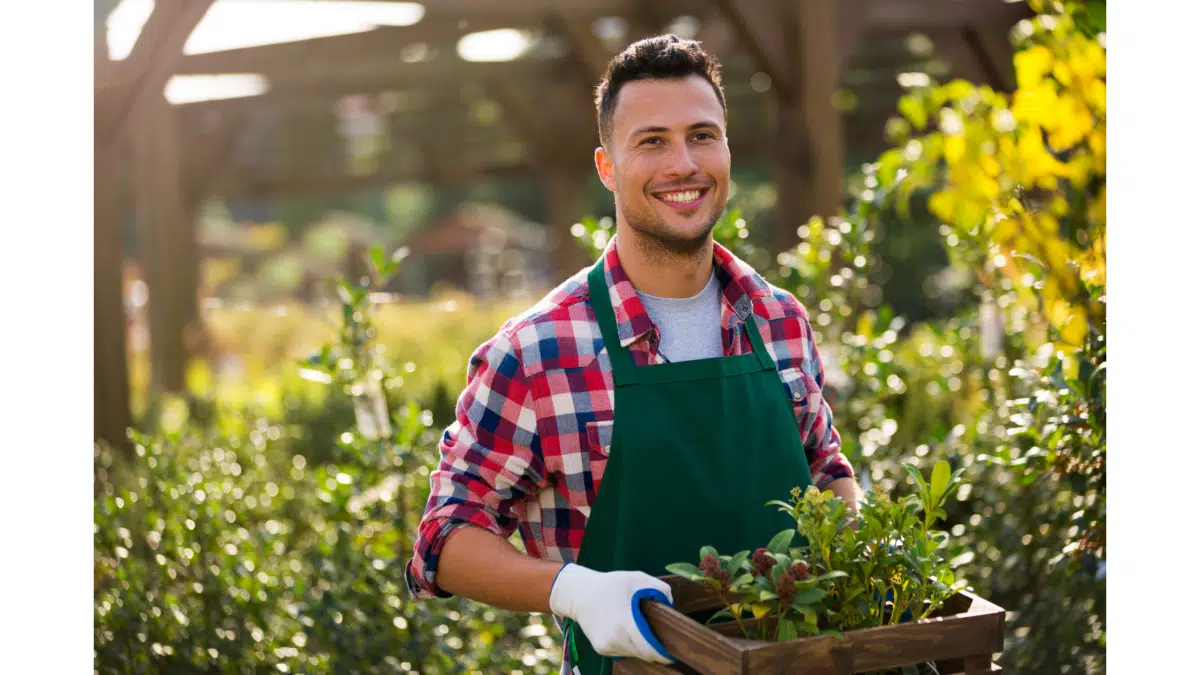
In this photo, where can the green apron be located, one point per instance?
(698, 449)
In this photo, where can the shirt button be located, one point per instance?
(797, 396)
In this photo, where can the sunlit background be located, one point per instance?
(927, 176)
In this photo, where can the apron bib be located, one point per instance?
(698, 449)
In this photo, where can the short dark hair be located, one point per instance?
(663, 57)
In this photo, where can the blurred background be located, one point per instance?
(309, 212)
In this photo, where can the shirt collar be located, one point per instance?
(740, 287)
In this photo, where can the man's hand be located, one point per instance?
(606, 605)
(848, 491)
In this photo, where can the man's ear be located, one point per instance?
(604, 168)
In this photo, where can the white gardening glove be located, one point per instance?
(606, 607)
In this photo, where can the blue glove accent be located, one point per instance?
(640, 619)
(556, 576)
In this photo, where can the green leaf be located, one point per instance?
(808, 597)
(939, 481)
(912, 108)
(708, 550)
(780, 542)
(686, 570)
(723, 614)
(917, 478)
(787, 630)
(378, 258)
(736, 562)
(835, 574)
(958, 89)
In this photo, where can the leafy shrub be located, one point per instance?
(223, 548)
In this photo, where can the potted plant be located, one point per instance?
(841, 593)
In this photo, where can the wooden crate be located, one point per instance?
(960, 638)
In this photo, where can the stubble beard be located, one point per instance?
(658, 242)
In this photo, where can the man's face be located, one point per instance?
(668, 160)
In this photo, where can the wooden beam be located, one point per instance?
(851, 28)
(588, 50)
(906, 15)
(340, 184)
(763, 30)
(275, 59)
(964, 62)
(207, 154)
(442, 24)
(994, 52)
(145, 71)
(522, 116)
(716, 36)
(557, 125)
(163, 240)
(326, 85)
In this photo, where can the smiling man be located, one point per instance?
(648, 406)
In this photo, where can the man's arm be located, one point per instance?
(847, 489)
(485, 567)
(830, 469)
(490, 462)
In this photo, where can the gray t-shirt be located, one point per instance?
(690, 327)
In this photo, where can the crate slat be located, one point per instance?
(966, 632)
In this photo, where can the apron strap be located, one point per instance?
(764, 357)
(622, 360)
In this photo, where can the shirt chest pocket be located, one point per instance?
(799, 388)
(599, 445)
(599, 438)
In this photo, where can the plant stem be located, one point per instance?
(736, 616)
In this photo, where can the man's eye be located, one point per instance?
(652, 139)
(705, 136)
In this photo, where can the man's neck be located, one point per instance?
(661, 272)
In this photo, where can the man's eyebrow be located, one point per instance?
(659, 130)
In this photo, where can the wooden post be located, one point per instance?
(812, 147)
(165, 241)
(111, 404)
(802, 47)
(565, 187)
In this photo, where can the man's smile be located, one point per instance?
(684, 199)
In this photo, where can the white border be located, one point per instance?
(1153, 244)
(46, 277)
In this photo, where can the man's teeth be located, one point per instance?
(682, 197)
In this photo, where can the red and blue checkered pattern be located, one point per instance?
(530, 442)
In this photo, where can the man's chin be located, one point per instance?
(683, 238)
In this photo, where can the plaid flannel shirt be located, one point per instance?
(530, 442)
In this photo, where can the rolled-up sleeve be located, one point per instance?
(822, 443)
(491, 461)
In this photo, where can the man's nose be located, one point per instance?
(680, 162)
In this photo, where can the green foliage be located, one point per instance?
(879, 567)
(230, 546)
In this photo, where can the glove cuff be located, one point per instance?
(562, 591)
